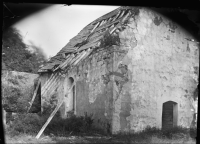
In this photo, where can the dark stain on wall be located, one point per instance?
(157, 20)
(135, 11)
(196, 70)
(106, 79)
(172, 26)
(122, 76)
(168, 37)
(125, 110)
(173, 31)
(188, 48)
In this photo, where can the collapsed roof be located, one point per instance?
(89, 38)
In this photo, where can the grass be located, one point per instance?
(24, 138)
(31, 123)
(155, 135)
(80, 129)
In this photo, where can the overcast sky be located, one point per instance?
(53, 27)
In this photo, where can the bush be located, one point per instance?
(16, 99)
(75, 124)
(149, 132)
(193, 132)
(26, 123)
(10, 97)
(169, 133)
(13, 81)
(32, 123)
(109, 40)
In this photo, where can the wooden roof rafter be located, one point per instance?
(90, 37)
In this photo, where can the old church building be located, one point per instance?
(130, 68)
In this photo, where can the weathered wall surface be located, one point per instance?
(159, 65)
(125, 86)
(94, 89)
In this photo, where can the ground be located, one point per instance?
(96, 138)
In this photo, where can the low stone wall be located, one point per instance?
(17, 90)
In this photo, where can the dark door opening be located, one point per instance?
(169, 115)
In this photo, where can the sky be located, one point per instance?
(52, 28)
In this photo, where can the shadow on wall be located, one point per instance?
(185, 18)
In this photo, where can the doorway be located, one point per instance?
(169, 115)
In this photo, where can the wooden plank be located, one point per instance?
(80, 58)
(51, 91)
(50, 86)
(116, 16)
(123, 11)
(46, 85)
(52, 114)
(50, 82)
(87, 54)
(95, 27)
(125, 17)
(34, 95)
(47, 82)
(91, 44)
(49, 119)
(80, 55)
(75, 58)
(66, 63)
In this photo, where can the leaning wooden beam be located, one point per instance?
(48, 82)
(66, 61)
(116, 16)
(52, 114)
(46, 85)
(86, 54)
(65, 64)
(80, 57)
(125, 17)
(121, 14)
(34, 95)
(95, 27)
(75, 58)
(52, 88)
(49, 119)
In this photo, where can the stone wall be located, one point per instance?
(125, 86)
(160, 65)
(17, 90)
(93, 87)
